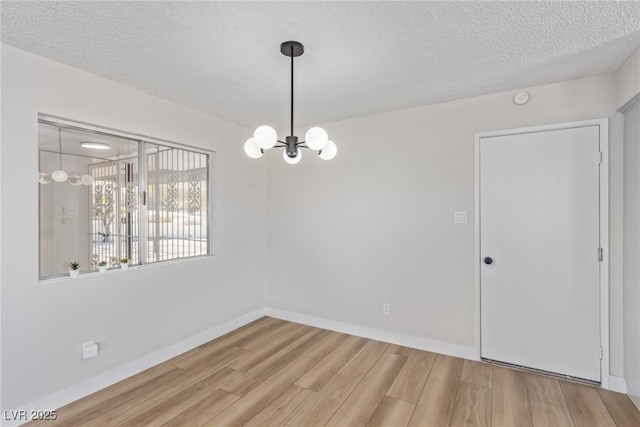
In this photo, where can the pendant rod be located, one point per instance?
(292, 90)
(60, 147)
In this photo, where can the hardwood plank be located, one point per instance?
(281, 409)
(248, 332)
(284, 337)
(212, 349)
(186, 355)
(258, 343)
(585, 406)
(621, 408)
(176, 404)
(306, 344)
(413, 376)
(363, 401)
(260, 397)
(68, 413)
(222, 359)
(325, 345)
(204, 410)
(262, 322)
(391, 413)
(320, 374)
(321, 407)
(399, 349)
(155, 398)
(266, 368)
(478, 373)
(99, 408)
(435, 405)
(544, 389)
(473, 405)
(509, 405)
(545, 414)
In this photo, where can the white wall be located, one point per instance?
(628, 79)
(375, 224)
(632, 251)
(131, 313)
(628, 100)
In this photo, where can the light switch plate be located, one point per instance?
(460, 217)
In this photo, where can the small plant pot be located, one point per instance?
(102, 268)
(74, 273)
(124, 265)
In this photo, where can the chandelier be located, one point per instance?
(59, 175)
(265, 137)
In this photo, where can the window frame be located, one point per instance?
(142, 197)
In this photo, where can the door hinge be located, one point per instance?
(601, 353)
(600, 254)
(599, 157)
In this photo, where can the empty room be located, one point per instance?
(323, 213)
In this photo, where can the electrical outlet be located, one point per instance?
(89, 350)
(385, 308)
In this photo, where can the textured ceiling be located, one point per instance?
(223, 58)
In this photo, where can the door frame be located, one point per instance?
(603, 125)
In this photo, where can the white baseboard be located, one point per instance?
(465, 352)
(617, 384)
(101, 381)
(633, 390)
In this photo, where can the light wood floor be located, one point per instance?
(277, 373)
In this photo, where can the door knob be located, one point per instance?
(488, 260)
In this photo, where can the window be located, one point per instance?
(123, 197)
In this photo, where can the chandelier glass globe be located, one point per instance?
(265, 137)
(251, 149)
(292, 160)
(86, 179)
(44, 178)
(329, 151)
(316, 138)
(59, 175)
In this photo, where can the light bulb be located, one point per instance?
(252, 149)
(265, 137)
(316, 138)
(292, 161)
(44, 178)
(75, 180)
(59, 176)
(329, 152)
(86, 179)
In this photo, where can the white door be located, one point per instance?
(539, 241)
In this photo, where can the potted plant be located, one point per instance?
(102, 266)
(74, 269)
(124, 263)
